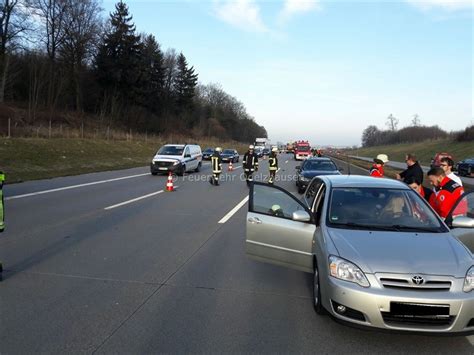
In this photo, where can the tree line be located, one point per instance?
(414, 133)
(63, 55)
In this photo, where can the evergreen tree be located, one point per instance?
(119, 57)
(185, 84)
(152, 74)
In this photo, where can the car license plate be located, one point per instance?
(162, 168)
(417, 309)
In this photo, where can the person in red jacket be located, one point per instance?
(424, 192)
(447, 192)
(377, 168)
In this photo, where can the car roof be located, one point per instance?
(363, 181)
(320, 158)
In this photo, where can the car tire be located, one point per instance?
(301, 190)
(182, 170)
(198, 169)
(154, 173)
(317, 303)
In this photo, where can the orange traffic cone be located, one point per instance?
(169, 184)
(230, 167)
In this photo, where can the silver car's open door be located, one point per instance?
(280, 228)
(461, 220)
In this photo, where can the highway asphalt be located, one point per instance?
(107, 263)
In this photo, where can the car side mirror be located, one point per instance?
(301, 216)
(187, 155)
(462, 222)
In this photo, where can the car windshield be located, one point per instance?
(209, 150)
(228, 151)
(171, 150)
(303, 148)
(381, 209)
(321, 165)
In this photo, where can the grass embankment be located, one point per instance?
(25, 159)
(424, 150)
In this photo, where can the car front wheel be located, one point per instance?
(317, 304)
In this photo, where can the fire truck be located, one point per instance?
(302, 150)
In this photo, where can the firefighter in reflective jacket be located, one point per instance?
(2, 210)
(273, 165)
(250, 164)
(216, 162)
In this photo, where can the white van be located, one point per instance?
(177, 158)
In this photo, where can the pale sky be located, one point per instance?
(324, 70)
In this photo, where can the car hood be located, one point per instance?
(402, 252)
(166, 157)
(227, 155)
(312, 173)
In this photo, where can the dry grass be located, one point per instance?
(25, 159)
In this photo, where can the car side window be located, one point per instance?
(274, 202)
(311, 192)
(319, 203)
(187, 152)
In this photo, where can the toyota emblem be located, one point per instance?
(417, 280)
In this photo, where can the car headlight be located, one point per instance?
(176, 162)
(469, 280)
(303, 178)
(347, 271)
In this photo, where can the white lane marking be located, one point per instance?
(72, 187)
(237, 167)
(234, 210)
(278, 170)
(286, 162)
(133, 200)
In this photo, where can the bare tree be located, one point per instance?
(416, 120)
(81, 37)
(13, 24)
(53, 15)
(392, 122)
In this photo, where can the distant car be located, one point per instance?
(466, 167)
(259, 152)
(379, 255)
(206, 154)
(436, 160)
(230, 155)
(312, 167)
(266, 151)
(177, 158)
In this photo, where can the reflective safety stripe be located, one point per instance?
(2, 177)
(216, 166)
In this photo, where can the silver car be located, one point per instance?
(380, 256)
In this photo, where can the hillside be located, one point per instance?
(424, 150)
(31, 158)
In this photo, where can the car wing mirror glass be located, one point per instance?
(462, 222)
(301, 216)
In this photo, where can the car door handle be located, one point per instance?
(255, 220)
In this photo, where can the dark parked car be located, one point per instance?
(230, 155)
(466, 167)
(314, 167)
(206, 154)
(266, 151)
(259, 152)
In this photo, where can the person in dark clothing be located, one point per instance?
(250, 164)
(413, 170)
(216, 162)
(424, 192)
(273, 165)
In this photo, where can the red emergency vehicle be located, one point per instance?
(302, 150)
